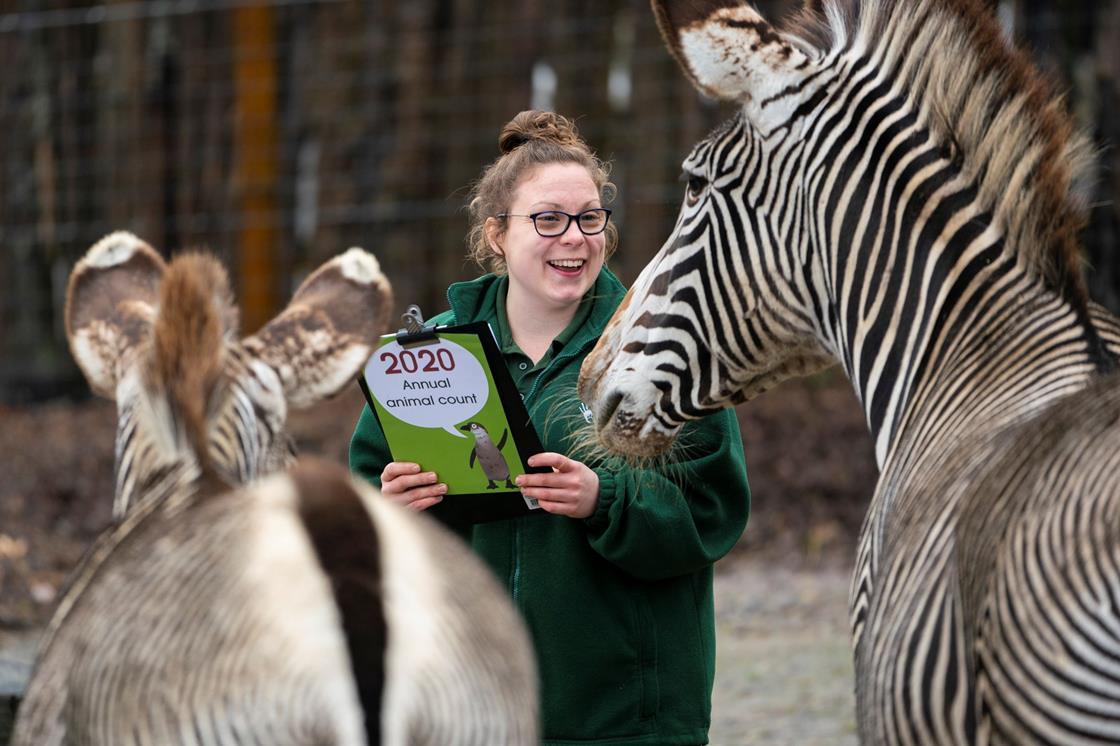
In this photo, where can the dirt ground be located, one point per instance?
(780, 594)
(783, 659)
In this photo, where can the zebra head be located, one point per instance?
(726, 309)
(162, 341)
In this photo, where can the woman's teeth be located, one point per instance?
(567, 263)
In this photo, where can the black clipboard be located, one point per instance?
(471, 507)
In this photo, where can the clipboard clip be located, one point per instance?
(414, 333)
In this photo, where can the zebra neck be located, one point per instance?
(154, 486)
(981, 346)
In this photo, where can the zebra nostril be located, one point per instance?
(607, 410)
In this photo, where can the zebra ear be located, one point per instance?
(329, 330)
(110, 304)
(731, 53)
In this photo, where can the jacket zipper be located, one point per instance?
(515, 575)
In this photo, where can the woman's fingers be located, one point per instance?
(564, 475)
(557, 461)
(401, 476)
(424, 479)
(404, 483)
(395, 469)
(554, 481)
(570, 489)
(428, 490)
(557, 508)
(418, 498)
(423, 503)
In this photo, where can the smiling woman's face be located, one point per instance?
(550, 274)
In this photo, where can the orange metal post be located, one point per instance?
(256, 143)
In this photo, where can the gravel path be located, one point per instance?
(784, 672)
(783, 668)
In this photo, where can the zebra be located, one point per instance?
(898, 192)
(242, 596)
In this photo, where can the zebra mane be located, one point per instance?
(196, 315)
(989, 105)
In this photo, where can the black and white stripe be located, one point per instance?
(899, 203)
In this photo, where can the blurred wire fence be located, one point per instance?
(280, 132)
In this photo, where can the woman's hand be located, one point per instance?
(404, 483)
(572, 489)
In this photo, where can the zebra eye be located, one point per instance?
(696, 187)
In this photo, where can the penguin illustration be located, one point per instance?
(489, 455)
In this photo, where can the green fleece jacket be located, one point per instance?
(619, 605)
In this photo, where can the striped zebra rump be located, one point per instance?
(297, 610)
(208, 620)
(453, 662)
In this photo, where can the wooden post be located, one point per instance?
(256, 170)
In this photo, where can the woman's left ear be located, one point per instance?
(493, 228)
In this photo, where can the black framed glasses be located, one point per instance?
(552, 223)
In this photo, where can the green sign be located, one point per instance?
(447, 402)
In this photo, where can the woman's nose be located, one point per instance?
(572, 234)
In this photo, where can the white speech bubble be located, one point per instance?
(436, 385)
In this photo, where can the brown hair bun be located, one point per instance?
(538, 125)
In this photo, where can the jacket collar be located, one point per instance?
(474, 301)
